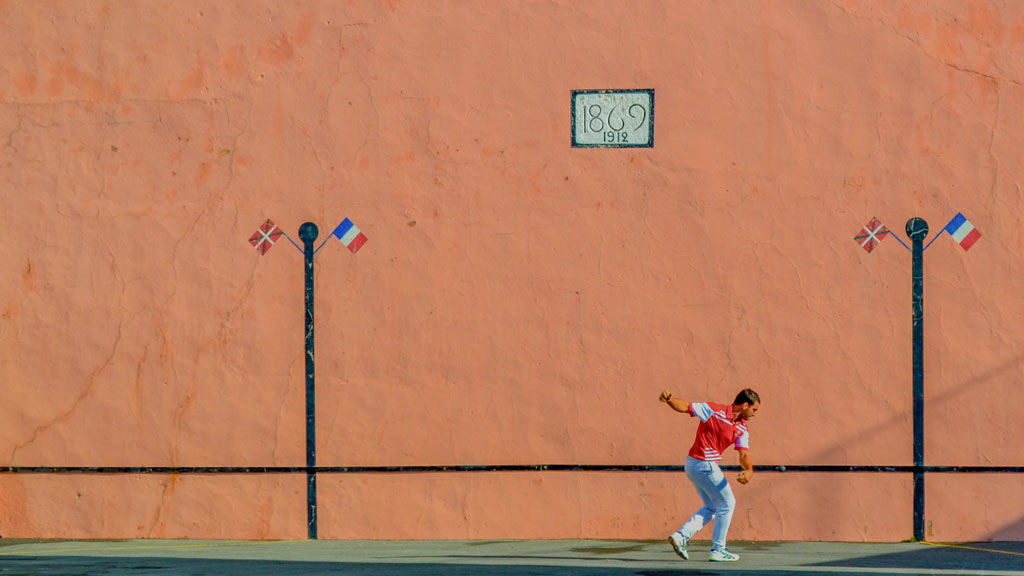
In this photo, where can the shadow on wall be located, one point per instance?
(965, 388)
(1014, 531)
(826, 502)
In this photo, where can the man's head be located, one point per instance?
(747, 403)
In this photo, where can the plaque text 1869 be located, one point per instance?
(613, 118)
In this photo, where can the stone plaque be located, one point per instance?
(613, 118)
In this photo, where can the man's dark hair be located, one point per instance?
(747, 395)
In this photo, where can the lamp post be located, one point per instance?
(266, 236)
(308, 233)
(917, 230)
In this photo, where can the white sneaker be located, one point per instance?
(723, 556)
(679, 545)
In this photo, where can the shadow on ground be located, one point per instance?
(91, 566)
(505, 559)
(981, 556)
(927, 562)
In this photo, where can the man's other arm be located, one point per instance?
(747, 463)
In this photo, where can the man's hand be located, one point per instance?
(665, 396)
(743, 478)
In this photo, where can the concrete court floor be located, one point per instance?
(495, 558)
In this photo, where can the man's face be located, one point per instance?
(748, 410)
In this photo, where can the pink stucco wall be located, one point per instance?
(519, 301)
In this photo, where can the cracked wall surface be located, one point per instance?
(519, 301)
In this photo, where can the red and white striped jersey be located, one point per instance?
(717, 431)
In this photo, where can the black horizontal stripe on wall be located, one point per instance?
(486, 468)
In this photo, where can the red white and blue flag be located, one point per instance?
(963, 231)
(265, 237)
(349, 235)
(871, 234)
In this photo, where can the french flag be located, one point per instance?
(349, 235)
(963, 231)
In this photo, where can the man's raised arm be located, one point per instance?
(675, 403)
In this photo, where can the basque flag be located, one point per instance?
(871, 234)
(963, 231)
(265, 237)
(349, 235)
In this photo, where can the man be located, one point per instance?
(721, 425)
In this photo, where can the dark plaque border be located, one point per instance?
(572, 114)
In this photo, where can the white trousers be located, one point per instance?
(719, 503)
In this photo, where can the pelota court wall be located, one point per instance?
(520, 301)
